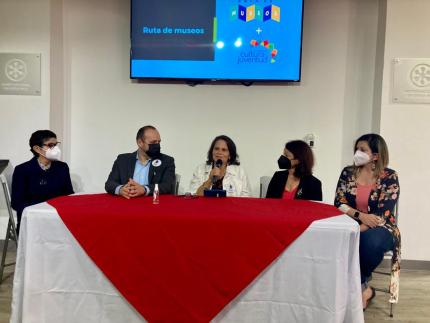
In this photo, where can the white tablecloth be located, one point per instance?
(316, 279)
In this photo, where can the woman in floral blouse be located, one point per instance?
(368, 192)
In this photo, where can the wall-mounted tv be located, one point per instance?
(243, 40)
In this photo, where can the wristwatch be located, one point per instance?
(356, 215)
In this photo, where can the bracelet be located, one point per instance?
(344, 208)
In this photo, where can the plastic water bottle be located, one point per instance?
(156, 195)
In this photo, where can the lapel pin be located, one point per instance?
(156, 162)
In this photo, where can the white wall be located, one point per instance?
(405, 126)
(98, 109)
(24, 28)
(107, 108)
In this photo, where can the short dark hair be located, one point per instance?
(141, 131)
(234, 157)
(39, 137)
(303, 153)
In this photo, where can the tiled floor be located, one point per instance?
(6, 289)
(414, 299)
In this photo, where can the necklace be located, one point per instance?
(43, 166)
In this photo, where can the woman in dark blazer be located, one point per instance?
(296, 180)
(41, 178)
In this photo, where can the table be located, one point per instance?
(316, 279)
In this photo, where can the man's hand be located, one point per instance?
(125, 191)
(135, 189)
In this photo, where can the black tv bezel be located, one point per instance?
(195, 81)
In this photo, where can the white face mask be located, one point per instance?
(53, 153)
(360, 158)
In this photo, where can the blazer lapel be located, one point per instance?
(131, 165)
(299, 192)
(152, 173)
(282, 181)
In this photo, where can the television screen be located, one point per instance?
(253, 40)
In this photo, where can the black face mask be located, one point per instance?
(284, 162)
(153, 151)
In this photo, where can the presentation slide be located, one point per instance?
(216, 39)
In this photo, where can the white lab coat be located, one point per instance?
(235, 180)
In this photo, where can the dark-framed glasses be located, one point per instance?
(52, 144)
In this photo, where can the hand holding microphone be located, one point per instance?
(216, 171)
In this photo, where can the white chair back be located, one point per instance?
(264, 185)
(177, 181)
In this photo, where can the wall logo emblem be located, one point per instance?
(20, 74)
(16, 70)
(420, 75)
(411, 80)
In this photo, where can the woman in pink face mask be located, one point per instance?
(41, 178)
(368, 192)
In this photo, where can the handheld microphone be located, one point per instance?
(218, 164)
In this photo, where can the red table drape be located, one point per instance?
(183, 260)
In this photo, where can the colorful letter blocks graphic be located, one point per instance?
(252, 12)
(272, 13)
(242, 13)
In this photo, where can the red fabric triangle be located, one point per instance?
(183, 260)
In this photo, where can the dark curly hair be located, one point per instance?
(234, 157)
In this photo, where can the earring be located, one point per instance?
(373, 165)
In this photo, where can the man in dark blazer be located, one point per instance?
(135, 174)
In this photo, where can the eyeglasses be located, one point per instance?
(52, 145)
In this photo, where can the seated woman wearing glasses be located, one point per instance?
(222, 170)
(368, 192)
(295, 181)
(41, 178)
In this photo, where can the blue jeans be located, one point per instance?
(374, 243)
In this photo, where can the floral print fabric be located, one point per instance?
(383, 203)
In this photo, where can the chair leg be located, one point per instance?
(391, 309)
(5, 246)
